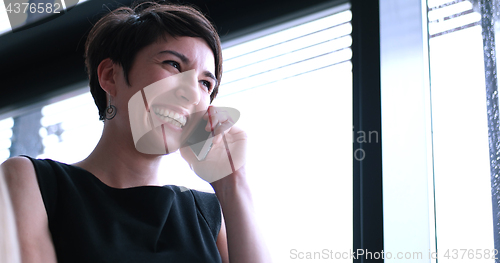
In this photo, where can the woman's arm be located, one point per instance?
(29, 211)
(224, 169)
(9, 244)
(222, 241)
(245, 242)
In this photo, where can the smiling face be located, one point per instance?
(170, 81)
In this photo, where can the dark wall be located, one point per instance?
(41, 61)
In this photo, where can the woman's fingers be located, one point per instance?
(222, 129)
(229, 146)
(218, 120)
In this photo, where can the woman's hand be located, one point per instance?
(224, 169)
(228, 153)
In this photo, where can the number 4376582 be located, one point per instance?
(33, 8)
(471, 253)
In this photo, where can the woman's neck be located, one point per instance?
(117, 163)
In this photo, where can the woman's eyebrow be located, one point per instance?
(182, 57)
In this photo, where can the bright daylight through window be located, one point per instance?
(463, 196)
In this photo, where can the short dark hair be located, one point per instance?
(123, 32)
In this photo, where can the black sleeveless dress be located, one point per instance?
(91, 222)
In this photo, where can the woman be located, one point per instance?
(110, 206)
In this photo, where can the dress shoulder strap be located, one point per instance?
(209, 206)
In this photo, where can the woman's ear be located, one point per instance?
(106, 72)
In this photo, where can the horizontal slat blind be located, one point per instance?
(288, 53)
(447, 16)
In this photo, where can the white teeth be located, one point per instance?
(172, 121)
(170, 117)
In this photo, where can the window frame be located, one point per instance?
(368, 228)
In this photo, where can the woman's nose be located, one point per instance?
(188, 89)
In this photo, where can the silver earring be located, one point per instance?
(110, 110)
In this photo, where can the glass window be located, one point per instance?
(70, 128)
(463, 198)
(8, 10)
(5, 138)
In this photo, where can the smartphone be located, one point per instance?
(200, 141)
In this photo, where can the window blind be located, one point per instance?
(449, 16)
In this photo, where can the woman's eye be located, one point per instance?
(173, 64)
(207, 84)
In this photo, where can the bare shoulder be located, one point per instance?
(29, 211)
(18, 171)
(222, 241)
